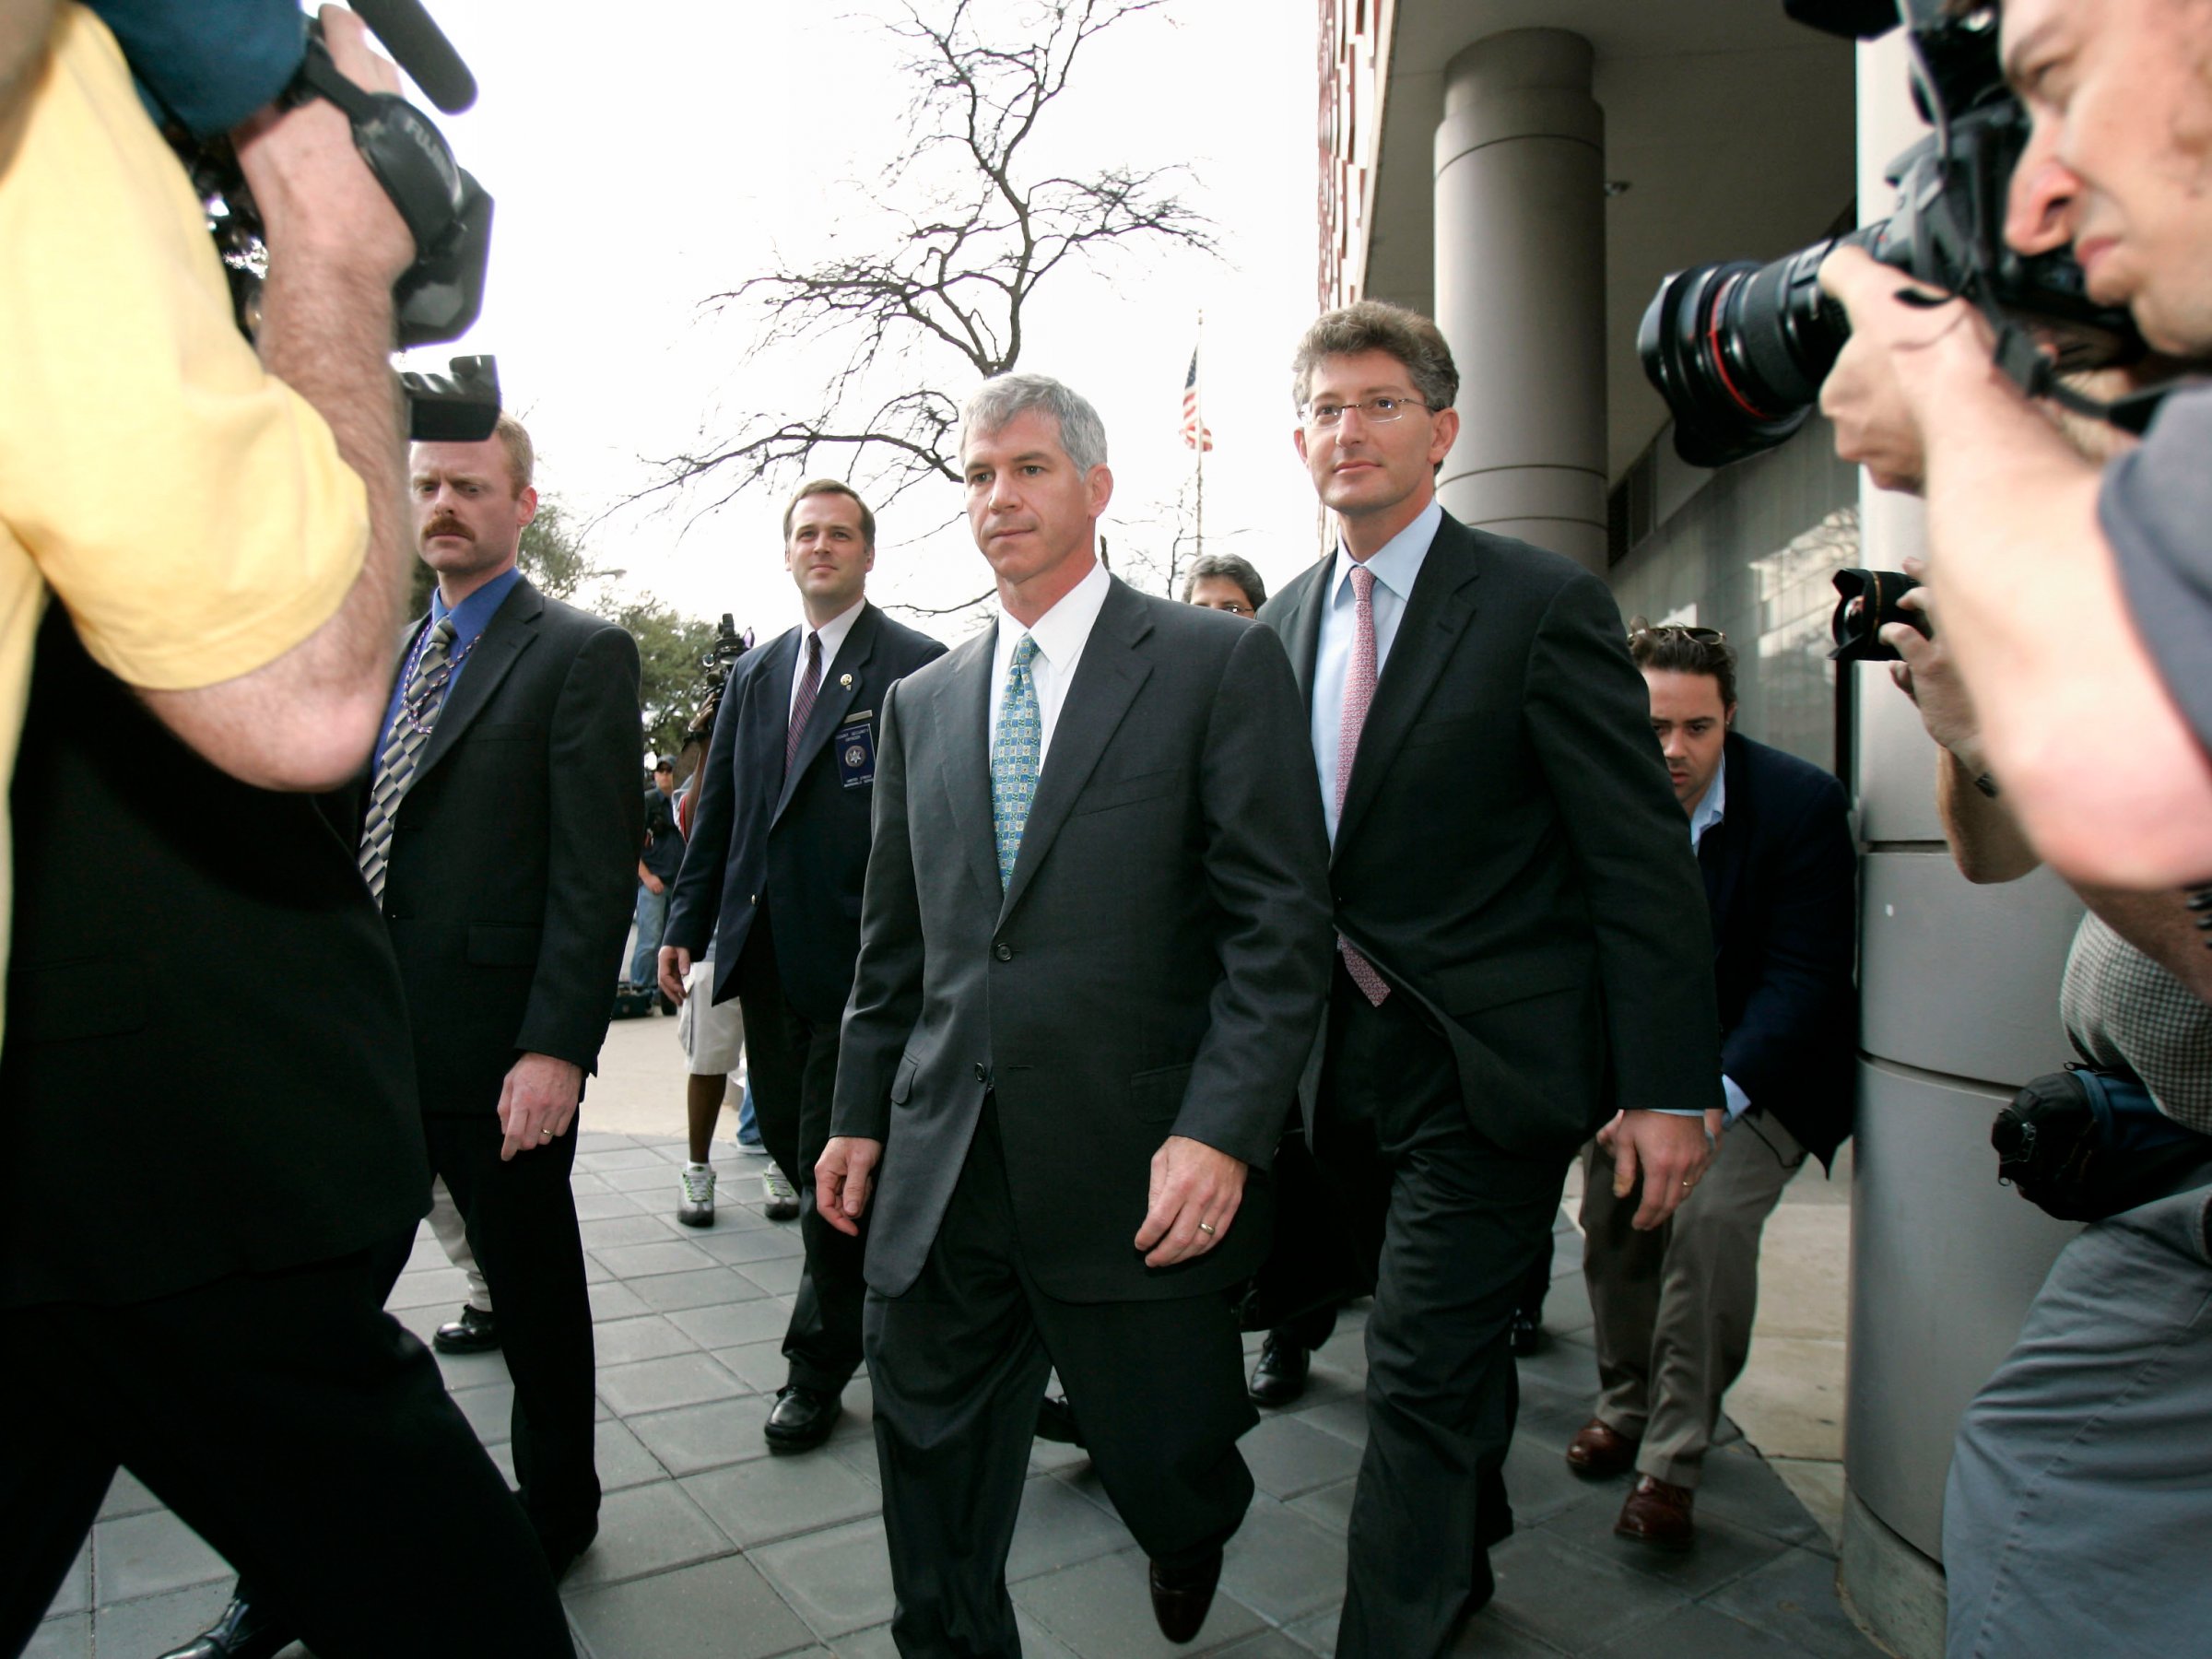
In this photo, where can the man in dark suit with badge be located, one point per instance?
(1522, 949)
(1092, 958)
(771, 880)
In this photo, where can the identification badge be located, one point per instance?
(855, 746)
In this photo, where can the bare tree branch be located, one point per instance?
(972, 231)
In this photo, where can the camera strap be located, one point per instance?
(402, 147)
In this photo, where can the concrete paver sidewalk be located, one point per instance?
(708, 1545)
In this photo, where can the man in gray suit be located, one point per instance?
(1094, 948)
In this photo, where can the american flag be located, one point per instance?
(1195, 435)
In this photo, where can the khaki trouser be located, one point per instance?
(1673, 1306)
(452, 1235)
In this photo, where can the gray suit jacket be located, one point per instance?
(1156, 966)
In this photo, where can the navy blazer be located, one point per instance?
(1781, 878)
(795, 844)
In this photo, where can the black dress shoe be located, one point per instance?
(801, 1419)
(1183, 1595)
(472, 1333)
(243, 1631)
(1057, 1421)
(1280, 1375)
(561, 1552)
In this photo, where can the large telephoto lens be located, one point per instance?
(1739, 350)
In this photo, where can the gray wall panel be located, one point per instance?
(1962, 979)
(1944, 1265)
(1896, 762)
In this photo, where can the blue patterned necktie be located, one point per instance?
(1015, 757)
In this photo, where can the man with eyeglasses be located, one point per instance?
(1523, 948)
(1673, 1306)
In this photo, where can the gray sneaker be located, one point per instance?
(783, 1198)
(696, 1208)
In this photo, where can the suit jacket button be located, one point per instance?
(752, 898)
(983, 1072)
(1004, 953)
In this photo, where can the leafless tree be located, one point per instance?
(973, 228)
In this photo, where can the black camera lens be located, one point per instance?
(1739, 350)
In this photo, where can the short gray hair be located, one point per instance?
(1002, 398)
(1371, 325)
(1231, 568)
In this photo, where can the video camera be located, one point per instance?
(729, 645)
(447, 212)
(1739, 349)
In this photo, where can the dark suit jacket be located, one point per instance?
(514, 856)
(1156, 966)
(1511, 853)
(797, 844)
(200, 987)
(1780, 876)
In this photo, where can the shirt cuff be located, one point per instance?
(1738, 1101)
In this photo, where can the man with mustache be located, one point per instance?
(771, 882)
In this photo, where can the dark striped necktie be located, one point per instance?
(418, 707)
(810, 688)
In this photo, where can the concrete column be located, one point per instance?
(1521, 289)
(1958, 1005)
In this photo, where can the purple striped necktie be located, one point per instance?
(810, 686)
(1359, 694)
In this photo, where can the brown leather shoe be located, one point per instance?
(1599, 1449)
(1657, 1514)
(1182, 1597)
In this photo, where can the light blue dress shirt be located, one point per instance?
(1710, 811)
(1396, 564)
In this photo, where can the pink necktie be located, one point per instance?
(1358, 693)
(802, 704)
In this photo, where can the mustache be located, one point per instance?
(446, 527)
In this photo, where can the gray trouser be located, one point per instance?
(453, 1237)
(1673, 1306)
(2080, 1495)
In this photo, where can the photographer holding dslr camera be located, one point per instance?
(2077, 600)
(2076, 603)
(206, 1092)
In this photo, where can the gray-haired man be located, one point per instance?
(1093, 953)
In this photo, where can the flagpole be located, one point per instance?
(1200, 553)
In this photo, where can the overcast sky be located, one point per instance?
(645, 160)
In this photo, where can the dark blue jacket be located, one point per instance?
(794, 846)
(1781, 878)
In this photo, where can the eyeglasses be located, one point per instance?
(1681, 630)
(1381, 409)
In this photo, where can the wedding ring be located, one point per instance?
(1205, 1228)
(547, 1134)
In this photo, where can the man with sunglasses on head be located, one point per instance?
(1523, 952)
(1673, 1305)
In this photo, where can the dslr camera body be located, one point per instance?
(1739, 350)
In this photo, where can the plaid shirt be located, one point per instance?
(2125, 1013)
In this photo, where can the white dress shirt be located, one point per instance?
(1061, 634)
(834, 634)
(1396, 564)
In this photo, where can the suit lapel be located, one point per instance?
(1106, 682)
(511, 630)
(960, 710)
(843, 681)
(1301, 623)
(1437, 613)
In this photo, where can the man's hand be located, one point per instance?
(1195, 1191)
(537, 1101)
(675, 964)
(1886, 378)
(317, 196)
(1670, 1152)
(1716, 1123)
(842, 1177)
(654, 884)
(1925, 673)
